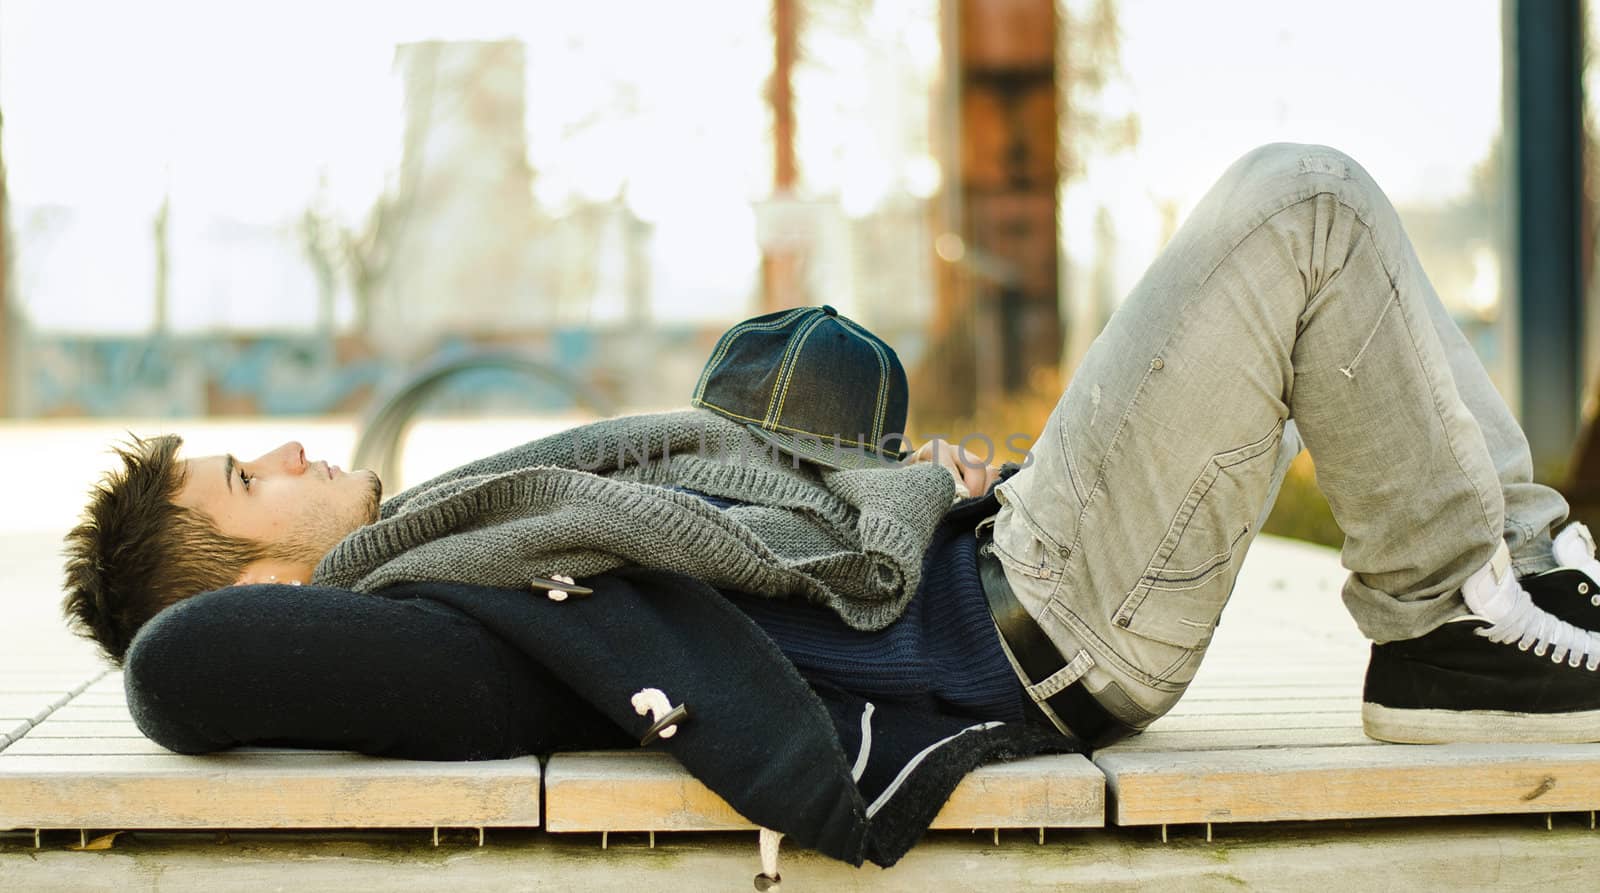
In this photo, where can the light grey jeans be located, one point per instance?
(1291, 292)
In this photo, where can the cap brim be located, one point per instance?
(823, 451)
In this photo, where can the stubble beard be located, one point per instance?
(314, 538)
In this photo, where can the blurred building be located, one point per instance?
(460, 250)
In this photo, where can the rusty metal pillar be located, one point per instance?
(997, 317)
(781, 266)
(5, 290)
(1008, 175)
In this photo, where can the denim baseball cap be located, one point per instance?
(812, 383)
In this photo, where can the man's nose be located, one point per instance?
(291, 457)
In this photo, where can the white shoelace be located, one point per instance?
(1493, 594)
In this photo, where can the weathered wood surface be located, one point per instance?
(28, 696)
(1305, 782)
(650, 791)
(263, 789)
(122, 728)
(120, 745)
(87, 765)
(1271, 728)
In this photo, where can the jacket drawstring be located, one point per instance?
(767, 881)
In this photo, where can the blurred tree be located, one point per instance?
(161, 240)
(1090, 59)
(358, 254)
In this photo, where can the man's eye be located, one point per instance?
(245, 478)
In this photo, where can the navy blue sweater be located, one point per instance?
(943, 652)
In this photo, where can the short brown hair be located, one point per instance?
(135, 551)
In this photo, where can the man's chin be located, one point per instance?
(375, 496)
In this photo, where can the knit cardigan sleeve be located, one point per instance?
(591, 499)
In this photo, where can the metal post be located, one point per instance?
(5, 300)
(782, 268)
(1544, 63)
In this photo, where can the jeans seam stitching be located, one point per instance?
(1111, 448)
(1496, 531)
(1526, 529)
(1295, 201)
(1106, 650)
(1149, 577)
(1072, 474)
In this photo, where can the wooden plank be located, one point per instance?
(650, 791)
(32, 745)
(1240, 739)
(101, 698)
(50, 665)
(73, 711)
(1350, 782)
(56, 728)
(1211, 693)
(1055, 791)
(1261, 707)
(32, 706)
(1349, 679)
(1253, 721)
(643, 791)
(265, 789)
(109, 686)
(34, 683)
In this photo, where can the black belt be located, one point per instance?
(1084, 717)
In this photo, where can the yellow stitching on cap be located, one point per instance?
(784, 384)
(790, 351)
(788, 346)
(882, 409)
(726, 342)
(771, 425)
(790, 356)
(881, 404)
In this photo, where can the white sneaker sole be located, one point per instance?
(1478, 726)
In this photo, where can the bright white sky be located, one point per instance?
(240, 110)
(1409, 88)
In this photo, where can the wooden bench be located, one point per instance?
(1271, 728)
(1270, 731)
(86, 765)
(649, 791)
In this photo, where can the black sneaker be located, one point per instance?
(1571, 592)
(1455, 684)
(1508, 671)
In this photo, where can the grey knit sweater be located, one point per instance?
(593, 498)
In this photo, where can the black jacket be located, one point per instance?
(447, 671)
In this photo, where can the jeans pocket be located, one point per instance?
(1023, 548)
(1180, 594)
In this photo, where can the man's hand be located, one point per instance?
(972, 477)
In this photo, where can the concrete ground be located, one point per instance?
(1506, 853)
(51, 466)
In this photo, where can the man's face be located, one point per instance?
(299, 510)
